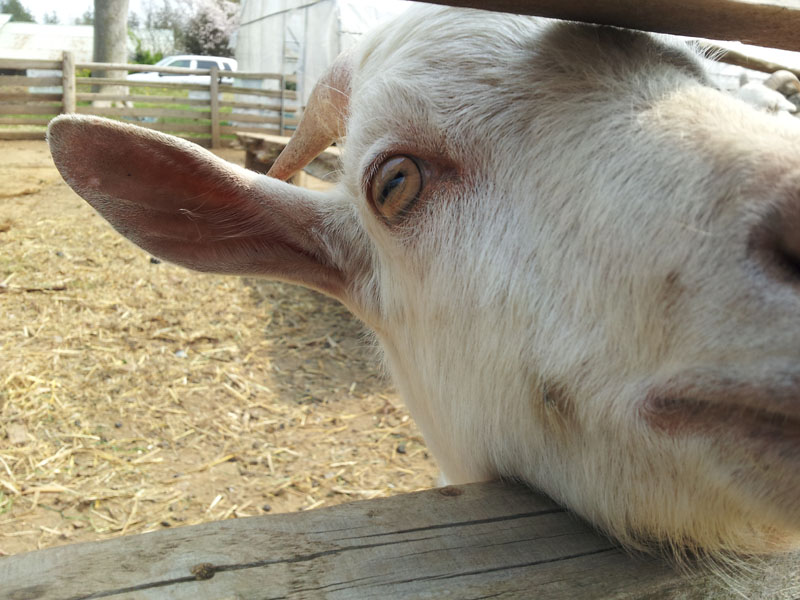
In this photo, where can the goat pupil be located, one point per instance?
(391, 185)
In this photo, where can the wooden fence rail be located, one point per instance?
(474, 541)
(34, 91)
(771, 23)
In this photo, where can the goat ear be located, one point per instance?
(185, 205)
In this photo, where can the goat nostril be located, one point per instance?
(789, 259)
(776, 244)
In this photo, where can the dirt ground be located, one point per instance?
(136, 395)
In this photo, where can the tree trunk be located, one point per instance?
(110, 40)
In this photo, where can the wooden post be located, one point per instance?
(68, 83)
(214, 90)
(283, 102)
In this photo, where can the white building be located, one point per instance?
(47, 42)
(302, 37)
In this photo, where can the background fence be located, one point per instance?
(209, 108)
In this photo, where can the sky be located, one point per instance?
(68, 10)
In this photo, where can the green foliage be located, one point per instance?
(145, 57)
(51, 18)
(142, 55)
(17, 11)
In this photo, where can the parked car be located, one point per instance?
(187, 61)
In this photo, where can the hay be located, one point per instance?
(136, 395)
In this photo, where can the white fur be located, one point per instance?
(758, 95)
(593, 247)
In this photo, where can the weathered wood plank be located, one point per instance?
(30, 109)
(16, 134)
(176, 85)
(68, 83)
(231, 130)
(173, 70)
(155, 84)
(17, 80)
(473, 541)
(152, 99)
(248, 75)
(236, 130)
(245, 91)
(29, 63)
(169, 127)
(25, 120)
(6, 97)
(99, 66)
(259, 106)
(772, 23)
(263, 149)
(214, 91)
(136, 111)
(251, 118)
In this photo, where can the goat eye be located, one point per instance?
(395, 187)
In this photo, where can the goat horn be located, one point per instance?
(324, 120)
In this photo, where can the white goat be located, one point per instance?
(582, 261)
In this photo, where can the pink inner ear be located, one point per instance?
(187, 206)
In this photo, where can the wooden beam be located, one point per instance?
(262, 150)
(214, 103)
(25, 120)
(479, 540)
(137, 112)
(23, 80)
(30, 109)
(283, 103)
(150, 99)
(115, 81)
(29, 63)
(284, 94)
(68, 83)
(771, 23)
(16, 134)
(29, 97)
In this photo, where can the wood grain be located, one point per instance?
(214, 98)
(771, 23)
(68, 83)
(262, 150)
(475, 541)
